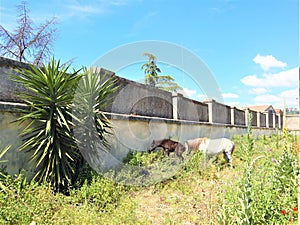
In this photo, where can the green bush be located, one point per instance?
(261, 191)
(24, 202)
(267, 193)
(48, 113)
(101, 192)
(136, 158)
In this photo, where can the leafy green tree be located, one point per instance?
(151, 70)
(48, 135)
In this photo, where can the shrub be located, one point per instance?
(101, 192)
(136, 158)
(48, 136)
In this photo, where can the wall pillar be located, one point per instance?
(258, 119)
(267, 120)
(175, 105)
(232, 110)
(279, 121)
(246, 117)
(210, 111)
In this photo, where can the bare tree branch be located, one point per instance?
(28, 43)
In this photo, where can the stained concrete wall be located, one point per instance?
(192, 110)
(293, 122)
(135, 133)
(139, 113)
(263, 119)
(10, 136)
(254, 118)
(219, 113)
(139, 99)
(270, 117)
(9, 88)
(239, 117)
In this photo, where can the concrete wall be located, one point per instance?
(239, 117)
(293, 122)
(139, 114)
(219, 113)
(270, 117)
(254, 118)
(139, 99)
(188, 109)
(8, 88)
(10, 135)
(136, 133)
(263, 119)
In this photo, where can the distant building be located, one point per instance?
(263, 109)
(292, 111)
(292, 117)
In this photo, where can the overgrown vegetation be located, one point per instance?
(261, 189)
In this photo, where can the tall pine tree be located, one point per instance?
(151, 70)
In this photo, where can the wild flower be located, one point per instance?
(282, 212)
(274, 160)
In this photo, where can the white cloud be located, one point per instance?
(258, 91)
(277, 100)
(82, 9)
(287, 78)
(232, 103)
(118, 2)
(188, 92)
(142, 22)
(268, 61)
(86, 9)
(230, 95)
(291, 97)
(293, 93)
(202, 97)
(266, 99)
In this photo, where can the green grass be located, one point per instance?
(261, 191)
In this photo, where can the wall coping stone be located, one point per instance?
(11, 106)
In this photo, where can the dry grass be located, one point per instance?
(189, 200)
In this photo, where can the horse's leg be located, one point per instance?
(179, 150)
(228, 157)
(188, 152)
(168, 152)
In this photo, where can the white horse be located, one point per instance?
(212, 147)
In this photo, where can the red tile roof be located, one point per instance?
(258, 108)
(263, 108)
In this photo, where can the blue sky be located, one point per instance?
(250, 46)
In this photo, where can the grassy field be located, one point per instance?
(261, 189)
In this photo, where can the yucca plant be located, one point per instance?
(48, 135)
(2, 175)
(93, 93)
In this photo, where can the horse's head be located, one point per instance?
(153, 146)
